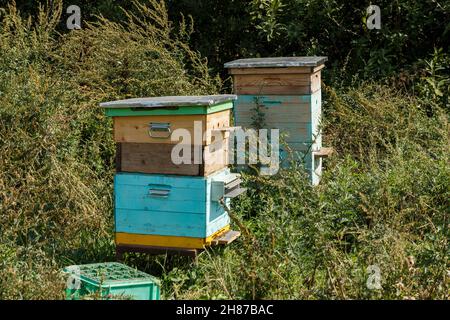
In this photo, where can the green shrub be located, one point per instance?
(56, 146)
(383, 201)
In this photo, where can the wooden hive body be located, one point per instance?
(144, 132)
(162, 210)
(159, 203)
(287, 93)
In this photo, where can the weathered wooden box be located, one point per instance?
(297, 117)
(157, 158)
(147, 129)
(276, 76)
(286, 93)
(172, 211)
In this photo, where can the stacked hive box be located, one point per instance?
(287, 92)
(159, 203)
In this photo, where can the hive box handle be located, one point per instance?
(163, 127)
(161, 193)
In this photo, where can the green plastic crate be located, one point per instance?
(110, 280)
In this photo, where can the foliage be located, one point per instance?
(434, 84)
(227, 30)
(56, 145)
(409, 29)
(383, 201)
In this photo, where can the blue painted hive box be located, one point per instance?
(172, 211)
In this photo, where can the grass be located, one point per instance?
(383, 199)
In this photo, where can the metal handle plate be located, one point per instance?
(161, 193)
(163, 128)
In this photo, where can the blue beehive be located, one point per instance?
(172, 211)
(288, 95)
(160, 204)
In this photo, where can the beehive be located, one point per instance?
(287, 91)
(169, 211)
(111, 280)
(160, 204)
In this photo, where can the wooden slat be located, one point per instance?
(215, 156)
(323, 152)
(293, 131)
(217, 121)
(129, 239)
(226, 238)
(284, 70)
(170, 111)
(276, 84)
(156, 158)
(226, 129)
(144, 180)
(154, 250)
(279, 114)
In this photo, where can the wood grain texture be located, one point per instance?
(324, 152)
(291, 132)
(136, 129)
(166, 223)
(157, 158)
(226, 237)
(276, 62)
(277, 84)
(145, 180)
(275, 108)
(155, 250)
(297, 117)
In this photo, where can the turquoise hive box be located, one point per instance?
(172, 211)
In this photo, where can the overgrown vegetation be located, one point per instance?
(383, 200)
(56, 144)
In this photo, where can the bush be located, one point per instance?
(56, 146)
(383, 201)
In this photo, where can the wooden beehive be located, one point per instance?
(143, 131)
(287, 91)
(159, 204)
